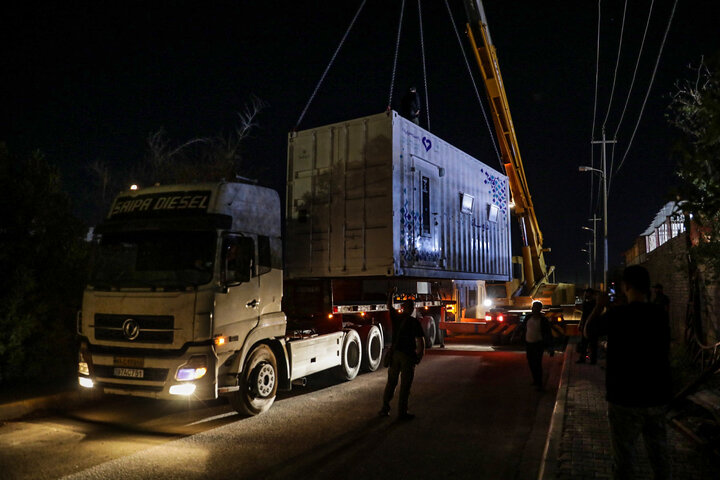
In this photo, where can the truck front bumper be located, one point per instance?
(125, 373)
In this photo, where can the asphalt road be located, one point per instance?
(477, 417)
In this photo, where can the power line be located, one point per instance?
(652, 79)
(592, 133)
(617, 64)
(632, 84)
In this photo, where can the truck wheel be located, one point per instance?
(350, 355)
(258, 383)
(373, 348)
(430, 333)
(438, 332)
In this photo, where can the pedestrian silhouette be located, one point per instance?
(587, 343)
(406, 351)
(538, 338)
(637, 375)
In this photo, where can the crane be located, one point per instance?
(535, 270)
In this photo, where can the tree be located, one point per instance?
(695, 111)
(199, 159)
(43, 258)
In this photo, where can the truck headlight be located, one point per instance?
(85, 382)
(195, 368)
(183, 389)
(83, 367)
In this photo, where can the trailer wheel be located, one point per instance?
(350, 356)
(258, 383)
(373, 348)
(430, 333)
(439, 333)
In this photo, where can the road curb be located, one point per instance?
(549, 464)
(57, 401)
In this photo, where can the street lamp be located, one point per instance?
(605, 223)
(594, 254)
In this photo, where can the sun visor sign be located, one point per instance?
(161, 205)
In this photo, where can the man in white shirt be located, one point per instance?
(537, 339)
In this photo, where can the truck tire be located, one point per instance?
(258, 383)
(430, 331)
(372, 349)
(439, 334)
(350, 356)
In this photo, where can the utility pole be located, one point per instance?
(604, 142)
(594, 219)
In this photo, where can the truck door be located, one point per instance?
(237, 306)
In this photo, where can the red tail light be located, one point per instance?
(488, 318)
(500, 318)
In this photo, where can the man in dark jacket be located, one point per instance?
(410, 106)
(637, 375)
(408, 347)
(538, 337)
(592, 343)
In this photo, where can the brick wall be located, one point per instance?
(668, 265)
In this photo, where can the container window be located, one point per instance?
(493, 211)
(425, 206)
(466, 203)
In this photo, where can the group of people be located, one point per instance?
(638, 384)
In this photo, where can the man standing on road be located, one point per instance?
(637, 374)
(537, 338)
(406, 351)
(592, 343)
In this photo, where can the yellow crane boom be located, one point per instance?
(535, 270)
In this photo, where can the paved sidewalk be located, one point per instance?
(579, 438)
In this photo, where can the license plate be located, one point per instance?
(128, 372)
(129, 362)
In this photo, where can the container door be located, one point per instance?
(427, 226)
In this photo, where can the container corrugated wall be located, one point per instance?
(381, 196)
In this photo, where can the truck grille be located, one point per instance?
(150, 328)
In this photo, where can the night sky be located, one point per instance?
(87, 81)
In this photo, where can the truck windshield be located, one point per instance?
(157, 259)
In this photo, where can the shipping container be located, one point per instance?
(381, 196)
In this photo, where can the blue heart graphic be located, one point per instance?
(427, 144)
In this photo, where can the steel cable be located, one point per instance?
(397, 49)
(474, 84)
(422, 48)
(322, 77)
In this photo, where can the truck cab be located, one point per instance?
(186, 281)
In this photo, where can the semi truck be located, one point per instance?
(196, 290)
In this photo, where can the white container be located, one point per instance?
(380, 196)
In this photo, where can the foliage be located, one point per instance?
(199, 159)
(695, 111)
(43, 258)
